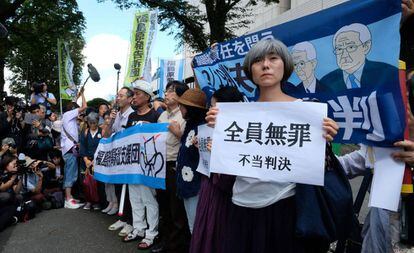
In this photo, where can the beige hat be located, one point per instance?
(28, 161)
(193, 97)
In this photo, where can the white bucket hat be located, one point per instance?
(143, 86)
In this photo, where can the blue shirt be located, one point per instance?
(88, 144)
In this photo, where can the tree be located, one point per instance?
(223, 17)
(96, 102)
(30, 50)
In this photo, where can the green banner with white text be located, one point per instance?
(67, 87)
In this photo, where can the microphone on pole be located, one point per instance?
(93, 73)
(117, 67)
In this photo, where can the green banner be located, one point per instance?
(138, 51)
(67, 87)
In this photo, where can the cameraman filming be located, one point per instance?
(40, 95)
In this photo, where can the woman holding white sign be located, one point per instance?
(263, 213)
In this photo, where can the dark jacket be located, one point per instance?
(188, 179)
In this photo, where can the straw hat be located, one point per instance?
(193, 97)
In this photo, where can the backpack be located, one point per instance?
(57, 199)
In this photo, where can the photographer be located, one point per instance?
(53, 177)
(33, 181)
(39, 140)
(15, 109)
(8, 147)
(40, 95)
(10, 186)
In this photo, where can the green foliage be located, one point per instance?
(96, 102)
(223, 18)
(30, 50)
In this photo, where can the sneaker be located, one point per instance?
(108, 208)
(114, 210)
(15, 220)
(71, 204)
(87, 206)
(117, 225)
(96, 207)
(126, 230)
(77, 201)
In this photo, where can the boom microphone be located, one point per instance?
(3, 31)
(93, 73)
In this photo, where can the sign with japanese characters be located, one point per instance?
(204, 137)
(280, 142)
(136, 155)
(170, 69)
(346, 56)
(143, 33)
(67, 87)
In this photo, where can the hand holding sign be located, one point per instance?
(212, 116)
(406, 155)
(331, 129)
(175, 128)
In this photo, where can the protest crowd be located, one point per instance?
(47, 162)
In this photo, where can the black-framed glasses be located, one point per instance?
(349, 49)
(300, 64)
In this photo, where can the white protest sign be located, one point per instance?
(136, 155)
(387, 180)
(204, 135)
(280, 141)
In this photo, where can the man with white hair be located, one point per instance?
(304, 61)
(352, 44)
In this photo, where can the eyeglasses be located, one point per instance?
(349, 49)
(300, 64)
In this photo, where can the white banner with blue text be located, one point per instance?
(136, 155)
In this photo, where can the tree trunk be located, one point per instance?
(2, 81)
(216, 15)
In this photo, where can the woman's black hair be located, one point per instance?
(58, 154)
(178, 86)
(228, 94)
(194, 114)
(5, 160)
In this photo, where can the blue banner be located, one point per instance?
(346, 56)
(169, 70)
(136, 155)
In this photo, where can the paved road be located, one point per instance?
(64, 230)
